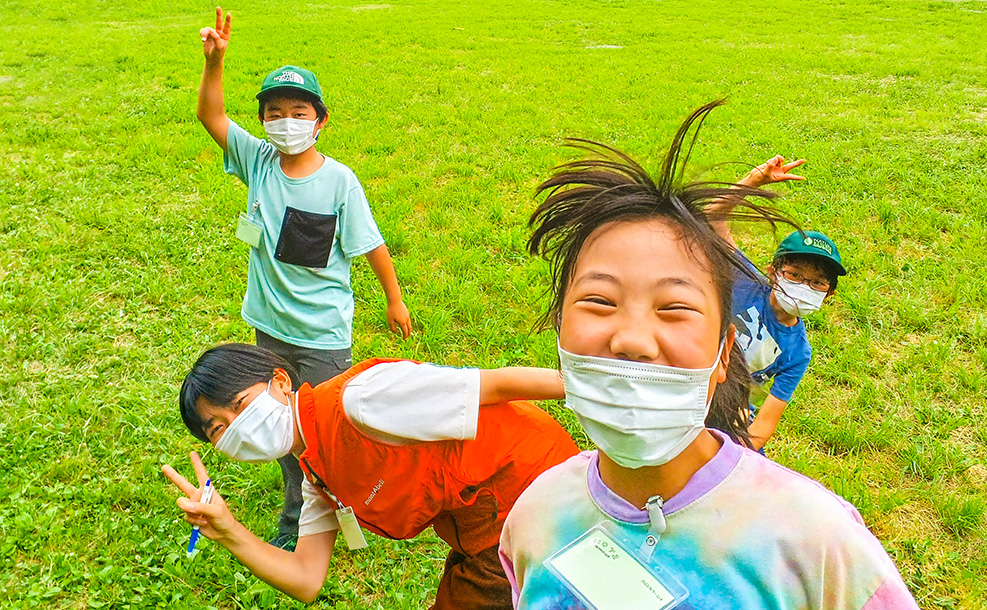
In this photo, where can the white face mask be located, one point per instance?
(262, 432)
(291, 136)
(797, 299)
(639, 414)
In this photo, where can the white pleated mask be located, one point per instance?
(263, 432)
(639, 414)
(291, 136)
(797, 299)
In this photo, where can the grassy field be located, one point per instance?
(118, 263)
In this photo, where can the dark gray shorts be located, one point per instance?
(313, 365)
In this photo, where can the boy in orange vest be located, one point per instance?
(392, 446)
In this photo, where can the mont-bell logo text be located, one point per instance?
(380, 483)
(290, 77)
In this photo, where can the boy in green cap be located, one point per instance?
(306, 218)
(803, 274)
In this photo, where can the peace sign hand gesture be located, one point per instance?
(215, 40)
(214, 519)
(773, 170)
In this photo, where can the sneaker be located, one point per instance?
(284, 541)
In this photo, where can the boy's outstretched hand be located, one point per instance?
(399, 319)
(214, 519)
(215, 40)
(772, 170)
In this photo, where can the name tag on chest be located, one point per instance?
(249, 231)
(606, 576)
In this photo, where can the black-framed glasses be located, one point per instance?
(798, 278)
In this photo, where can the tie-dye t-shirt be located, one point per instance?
(743, 533)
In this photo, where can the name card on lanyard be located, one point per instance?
(606, 575)
(249, 228)
(352, 532)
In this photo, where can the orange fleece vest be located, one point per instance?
(464, 489)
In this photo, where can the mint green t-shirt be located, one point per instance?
(294, 293)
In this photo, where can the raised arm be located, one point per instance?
(300, 574)
(211, 110)
(398, 317)
(766, 421)
(519, 383)
(772, 170)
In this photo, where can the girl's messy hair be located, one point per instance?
(609, 186)
(729, 411)
(223, 372)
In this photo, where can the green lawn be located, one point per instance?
(118, 263)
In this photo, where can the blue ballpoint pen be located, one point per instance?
(206, 496)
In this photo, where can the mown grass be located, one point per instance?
(118, 263)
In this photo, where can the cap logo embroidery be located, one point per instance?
(290, 77)
(818, 243)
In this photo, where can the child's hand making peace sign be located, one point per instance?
(215, 40)
(772, 170)
(214, 519)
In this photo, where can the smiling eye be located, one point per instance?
(597, 300)
(677, 309)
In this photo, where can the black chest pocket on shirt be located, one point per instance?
(306, 238)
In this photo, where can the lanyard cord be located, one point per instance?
(322, 484)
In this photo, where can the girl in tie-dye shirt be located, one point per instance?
(642, 289)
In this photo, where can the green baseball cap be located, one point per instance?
(813, 243)
(291, 77)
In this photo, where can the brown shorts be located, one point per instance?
(473, 582)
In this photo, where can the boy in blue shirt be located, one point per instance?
(306, 218)
(803, 274)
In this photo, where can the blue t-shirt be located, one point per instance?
(298, 281)
(772, 350)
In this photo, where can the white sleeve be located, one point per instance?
(403, 401)
(316, 516)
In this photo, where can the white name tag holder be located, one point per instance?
(352, 532)
(605, 575)
(249, 228)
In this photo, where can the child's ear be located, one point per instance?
(282, 380)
